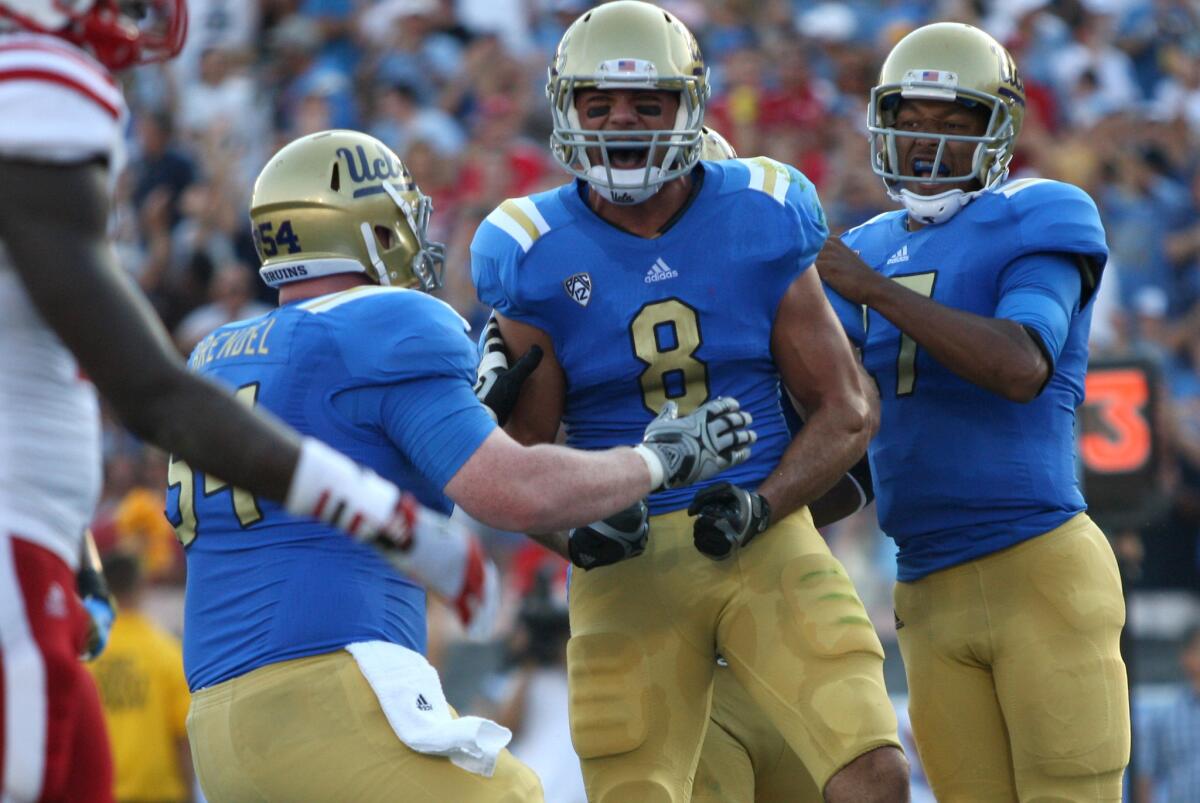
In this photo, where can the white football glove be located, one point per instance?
(700, 445)
(445, 556)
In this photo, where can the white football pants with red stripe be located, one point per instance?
(53, 744)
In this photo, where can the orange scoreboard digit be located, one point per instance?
(1118, 448)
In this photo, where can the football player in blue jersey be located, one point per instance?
(305, 651)
(744, 757)
(1008, 605)
(653, 277)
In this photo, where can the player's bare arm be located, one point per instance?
(539, 408)
(996, 354)
(538, 411)
(549, 487)
(822, 373)
(55, 230)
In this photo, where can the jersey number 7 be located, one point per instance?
(906, 360)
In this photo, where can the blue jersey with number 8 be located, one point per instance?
(685, 317)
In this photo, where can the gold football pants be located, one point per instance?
(1017, 690)
(744, 758)
(646, 632)
(311, 730)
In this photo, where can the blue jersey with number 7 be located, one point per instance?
(685, 317)
(959, 471)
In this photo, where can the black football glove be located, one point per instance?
(620, 536)
(497, 385)
(729, 518)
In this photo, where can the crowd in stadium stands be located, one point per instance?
(456, 88)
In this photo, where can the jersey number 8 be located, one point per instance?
(666, 335)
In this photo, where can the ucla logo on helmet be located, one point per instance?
(385, 167)
(579, 288)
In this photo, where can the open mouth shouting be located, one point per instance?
(628, 157)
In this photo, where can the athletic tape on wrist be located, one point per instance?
(330, 486)
(654, 464)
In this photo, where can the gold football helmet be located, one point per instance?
(714, 147)
(343, 202)
(956, 63)
(628, 45)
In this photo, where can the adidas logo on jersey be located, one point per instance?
(899, 256)
(660, 271)
(423, 704)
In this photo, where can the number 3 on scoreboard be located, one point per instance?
(181, 476)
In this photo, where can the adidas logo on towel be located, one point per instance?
(899, 256)
(423, 704)
(659, 271)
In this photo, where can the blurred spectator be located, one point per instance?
(222, 95)
(1092, 76)
(1168, 744)
(399, 120)
(1139, 204)
(303, 77)
(160, 165)
(231, 295)
(227, 24)
(412, 48)
(507, 19)
(141, 526)
(531, 698)
(145, 696)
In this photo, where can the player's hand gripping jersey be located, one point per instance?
(1022, 481)
(638, 322)
(57, 106)
(385, 375)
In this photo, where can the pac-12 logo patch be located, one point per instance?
(579, 288)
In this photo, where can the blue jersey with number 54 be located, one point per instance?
(636, 322)
(959, 471)
(384, 376)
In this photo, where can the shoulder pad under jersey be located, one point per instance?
(1056, 217)
(390, 334)
(501, 244)
(777, 202)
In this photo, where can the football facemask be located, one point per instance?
(119, 33)
(953, 63)
(627, 45)
(343, 202)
